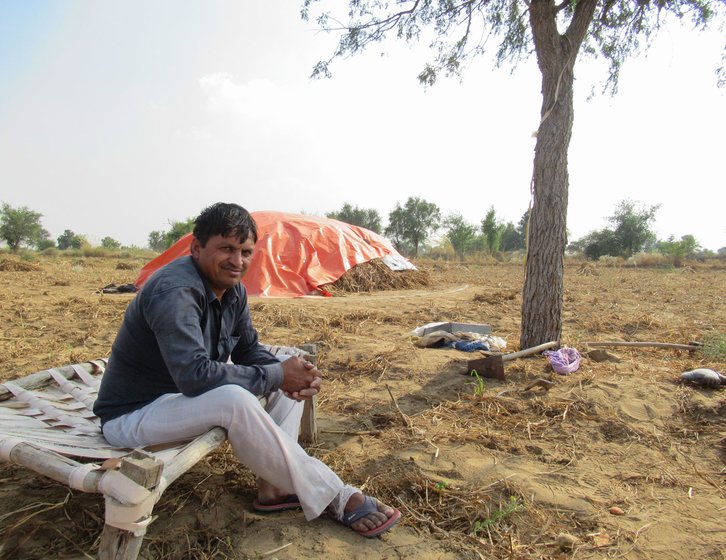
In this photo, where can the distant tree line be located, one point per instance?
(416, 228)
(21, 228)
(161, 240)
(411, 227)
(631, 233)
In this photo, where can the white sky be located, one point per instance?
(118, 117)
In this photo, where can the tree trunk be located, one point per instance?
(543, 283)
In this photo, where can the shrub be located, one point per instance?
(652, 260)
(50, 251)
(89, 251)
(610, 261)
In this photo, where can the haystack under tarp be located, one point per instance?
(297, 255)
(374, 276)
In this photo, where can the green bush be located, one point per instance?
(50, 251)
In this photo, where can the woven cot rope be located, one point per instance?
(54, 414)
(87, 378)
(85, 395)
(35, 402)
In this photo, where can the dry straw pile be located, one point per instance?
(375, 275)
(13, 265)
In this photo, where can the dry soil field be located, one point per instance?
(476, 473)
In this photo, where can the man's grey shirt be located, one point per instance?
(176, 337)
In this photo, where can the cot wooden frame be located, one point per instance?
(47, 425)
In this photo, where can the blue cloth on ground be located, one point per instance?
(468, 346)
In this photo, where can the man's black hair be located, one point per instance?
(225, 219)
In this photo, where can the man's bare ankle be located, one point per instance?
(354, 502)
(268, 493)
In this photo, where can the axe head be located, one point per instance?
(491, 367)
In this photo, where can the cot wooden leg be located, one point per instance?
(309, 422)
(118, 544)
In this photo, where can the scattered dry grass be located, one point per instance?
(476, 475)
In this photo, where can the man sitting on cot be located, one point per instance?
(169, 377)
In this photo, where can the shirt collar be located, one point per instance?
(230, 296)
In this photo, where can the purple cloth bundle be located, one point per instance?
(565, 360)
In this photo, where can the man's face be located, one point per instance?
(223, 261)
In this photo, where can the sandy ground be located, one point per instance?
(476, 473)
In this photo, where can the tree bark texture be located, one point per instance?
(543, 285)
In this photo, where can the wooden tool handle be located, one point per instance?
(529, 351)
(641, 344)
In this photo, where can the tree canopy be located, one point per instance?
(631, 233)
(514, 237)
(460, 30)
(161, 240)
(632, 226)
(70, 240)
(459, 232)
(687, 246)
(412, 223)
(110, 243)
(492, 229)
(368, 218)
(21, 226)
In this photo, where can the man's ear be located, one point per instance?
(195, 247)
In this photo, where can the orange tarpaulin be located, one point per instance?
(295, 254)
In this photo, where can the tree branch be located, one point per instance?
(387, 23)
(465, 37)
(581, 19)
(606, 10)
(562, 5)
